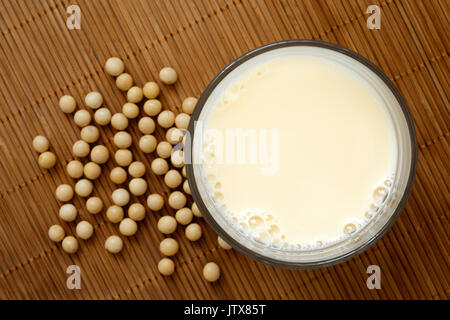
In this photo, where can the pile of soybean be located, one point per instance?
(169, 164)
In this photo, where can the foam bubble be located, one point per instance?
(264, 236)
(349, 228)
(244, 226)
(255, 222)
(219, 196)
(380, 194)
(234, 88)
(373, 207)
(274, 230)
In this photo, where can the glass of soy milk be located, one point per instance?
(301, 154)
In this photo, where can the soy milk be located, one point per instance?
(299, 152)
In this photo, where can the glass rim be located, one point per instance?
(291, 264)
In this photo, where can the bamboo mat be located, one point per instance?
(42, 60)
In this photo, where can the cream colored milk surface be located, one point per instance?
(323, 152)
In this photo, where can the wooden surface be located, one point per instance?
(41, 60)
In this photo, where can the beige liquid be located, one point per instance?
(332, 167)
